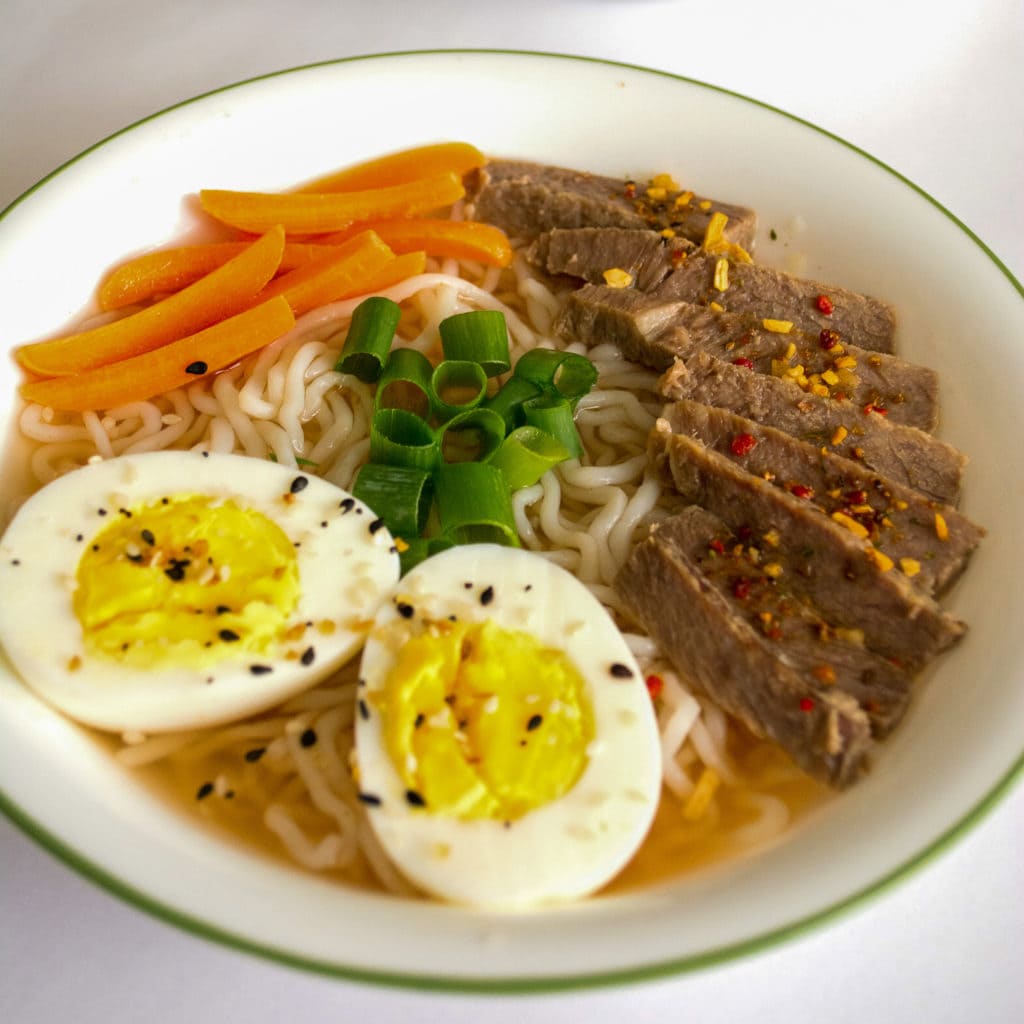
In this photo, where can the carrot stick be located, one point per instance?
(219, 294)
(312, 213)
(338, 275)
(174, 365)
(170, 270)
(409, 264)
(398, 168)
(462, 239)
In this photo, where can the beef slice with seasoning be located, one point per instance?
(830, 567)
(928, 542)
(655, 330)
(587, 253)
(903, 454)
(526, 199)
(698, 629)
(766, 292)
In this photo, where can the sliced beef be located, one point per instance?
(829, 566)
(700, 631)
(765, 292)
(586, 253)
(525, 199)
(903, 454)
(655, 330)
(928, 542)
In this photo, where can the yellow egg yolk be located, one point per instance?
(188, 580)
(484, 722)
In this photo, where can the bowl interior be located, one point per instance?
(836, 215)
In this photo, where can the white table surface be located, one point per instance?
(935, 90)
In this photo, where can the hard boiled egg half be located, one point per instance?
(506, 747)
(174, 590)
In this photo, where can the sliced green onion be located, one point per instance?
(508, 400)
(370, 335)
(474, 504)
(455, 386)
(419, 548)
(401, 438)
(400, 495)
(527, 454)
(570, 375)
(554, 416)
(405, 382)
(471, 436)
(479, 336)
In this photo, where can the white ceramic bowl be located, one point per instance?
(857, 223)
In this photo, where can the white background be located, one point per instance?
(935, 90)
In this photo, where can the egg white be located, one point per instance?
(570, 846)
(346, 569)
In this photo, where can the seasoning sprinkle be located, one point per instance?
(405, 609)
(534, 722)
(300, 483)
(252, 756)
(414, 799)
(620, 671)
(347, 504)
(487, 596)
(308, 656)
(806, 704)
(364, 709)
(204, 790)
(308, 738)
(370, 799)
(260, 670)
(229, 636)
(197, 369)
(376, 525)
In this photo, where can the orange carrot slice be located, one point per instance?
(462, 239)
(312, 213)
(338, 275)
(398, 168)
(172, 366)
(169, 270)
(409, 264)
(219, 294)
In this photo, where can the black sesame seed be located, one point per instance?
(204, 790)
(420, 719)
(222, 609)
(134, 558)
(467, 585)
(369, 799)
(376, 525)
(300, 483)
(534, 722)
(229, 795)
(347, 504)
(323, 524)
(308, 656)
(620, 671)
(308, 738)
(147, 536)
(529, 586)
(414, 799)
(125, 513)
(252, 756)
(15, 561)
(79, 537)
(364, 710)
(101, 511)
(176, 573)
(260, 670)
(95, 547)
(405, 610)
(487, 596)
(205, 455)
(198, 368)
(229, 636)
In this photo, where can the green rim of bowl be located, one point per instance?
(524, 985)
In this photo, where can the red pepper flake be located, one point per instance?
(743, 444)
(630, 190)
(717, 546)
(741, 588)
(801, 491)
(828, 339)
(872, 407)
(857, 497)
(806, 704)
(655, 684)
(824, 304)
(743, 361)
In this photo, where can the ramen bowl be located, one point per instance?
(826, 210)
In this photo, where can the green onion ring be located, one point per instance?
(566, 373)
(483, 428)
(405, 382)
(401, 438)
(527, 454)
(553, 415)
(508, 400)
(370, 334)
(480, 336)
(462, 376)
(400, 495)
(474, 504)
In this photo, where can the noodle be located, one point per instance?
(288, 403)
